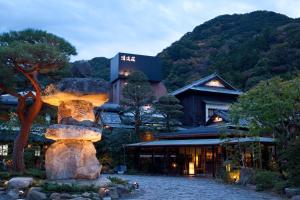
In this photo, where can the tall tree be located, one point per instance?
(169, 107)
(137, 94)
(24, 55)
(272, 106)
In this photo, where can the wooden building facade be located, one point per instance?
(201, 98)
(204, 146)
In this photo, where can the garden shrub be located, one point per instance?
(69, 188)
(4, 175)
(265, 180)
(37, 173)
(280, 185)
(116, 180)
(291, 162)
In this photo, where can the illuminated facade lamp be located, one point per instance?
(228, 167)
(107, 127)
(174, 165)
(191, 168)
(126, 73)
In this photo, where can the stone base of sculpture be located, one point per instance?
(72, 159)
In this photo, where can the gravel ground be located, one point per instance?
(185, 188)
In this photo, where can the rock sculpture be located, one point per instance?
(73, 155)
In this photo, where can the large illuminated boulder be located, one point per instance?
(73, 155)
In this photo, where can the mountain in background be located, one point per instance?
(98, 67)
(242, 48)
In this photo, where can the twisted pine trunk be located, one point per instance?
(26, 116)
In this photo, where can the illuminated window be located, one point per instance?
(217, 119)
(3, 150)
(214, 83)
(37, 151)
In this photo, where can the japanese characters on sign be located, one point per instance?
(127, 58)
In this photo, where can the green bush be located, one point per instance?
(291, 162)
(7, 175)
(116, 180)
(71, 188)
(37, 173)
(223, 175)
(4, 175)
(265, 180)
(279, 186)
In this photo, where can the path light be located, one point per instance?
(135, 185)
(234, 175)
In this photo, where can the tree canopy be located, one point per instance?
(272, 107)
(31, 50)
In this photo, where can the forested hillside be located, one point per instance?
(98, 67)
(244, 49)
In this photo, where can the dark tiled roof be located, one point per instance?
(216, 90)
(109, 107)
(196, 142)
(196, 86)
(110, 118)
(200, 131)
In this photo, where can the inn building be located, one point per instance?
(200, 148)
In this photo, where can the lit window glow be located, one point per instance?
(209, 155)
(214, 83)
(37, 151)
(218, 119)
(191, 168)
(4, 150)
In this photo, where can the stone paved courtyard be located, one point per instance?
(185, 188)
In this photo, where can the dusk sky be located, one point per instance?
(105, 27)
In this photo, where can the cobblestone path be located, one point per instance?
(191, 188)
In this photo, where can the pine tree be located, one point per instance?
(169, 107)
(23, 56)
(137, 94)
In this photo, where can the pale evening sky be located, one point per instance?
(105, 27)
